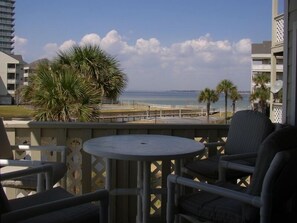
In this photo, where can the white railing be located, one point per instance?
(279, 29)
(87, 173)
(11, 70)
(261, 67)
(277, 112)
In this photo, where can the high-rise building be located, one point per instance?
(6, 25)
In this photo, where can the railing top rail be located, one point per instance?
(93, 125)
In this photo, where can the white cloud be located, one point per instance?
(147, 46)
(113, 43)
(111, 38)
(243, 46)
(67, 45)
(19, 41)
(91, 38)
(191, 64)
(51, 50)
(20, 45)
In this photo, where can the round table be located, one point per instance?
(144, 149)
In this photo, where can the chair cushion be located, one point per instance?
(86, 213)
(209, 168)
(39, 198)
(82, 213)
(30, 182)
(214, 208)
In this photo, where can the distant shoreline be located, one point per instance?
(177, 99)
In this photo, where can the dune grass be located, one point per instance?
(9, 112)
(15, 111)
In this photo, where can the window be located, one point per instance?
(10, 87)
(10, 76)
(11, 65)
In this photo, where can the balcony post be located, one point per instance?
(35, 139)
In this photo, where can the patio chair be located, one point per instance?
(53, 205)
(246, 132)
(270, 197)
(8, 163)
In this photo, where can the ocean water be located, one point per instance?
(178, 99)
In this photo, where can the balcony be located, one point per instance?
(11, 92)
(11, 70)
(11, 81)
(261, 67)
(279, 68)
(87, 173)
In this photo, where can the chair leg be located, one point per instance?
(40, 183)
(170, 215)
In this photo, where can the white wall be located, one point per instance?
(290, 60)
(4, 60)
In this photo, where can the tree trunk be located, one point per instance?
(226, 97)
(207, 111)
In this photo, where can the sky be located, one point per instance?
(159, 44)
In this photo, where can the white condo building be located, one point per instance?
(13, 74)
(267, 58)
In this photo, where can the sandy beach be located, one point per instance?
(156, 114)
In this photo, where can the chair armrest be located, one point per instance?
(238, 156)
(24, 163)
(61, 149)
(208, 144)
(46, 169)
(25, 172)
(214, 189)
(228, 162)
(40, 148)
(236, 166)
(25, 213)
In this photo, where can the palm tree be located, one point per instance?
(59, 94)
(261, 91)
(234, 96)
(92, 62)
(225, 86)
(209, 96)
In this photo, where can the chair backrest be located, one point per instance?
(247, 131)
(280, 188)
(282, 140)
(5, 149)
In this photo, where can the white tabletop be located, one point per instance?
(143, 147)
